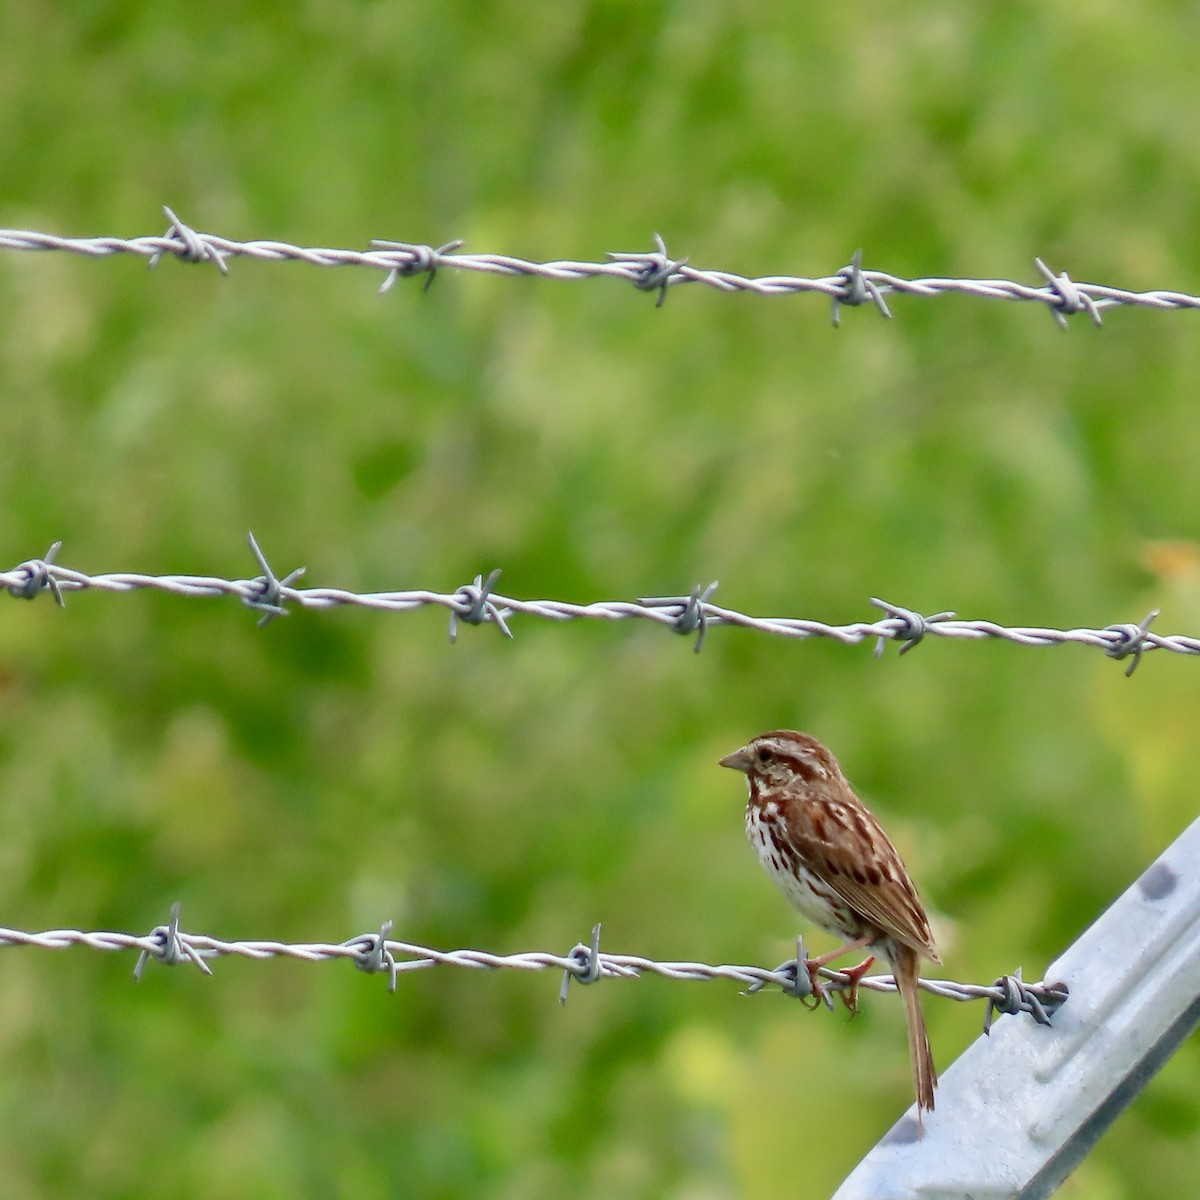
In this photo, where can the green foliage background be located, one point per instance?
(306, 781)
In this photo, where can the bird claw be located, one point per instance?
(854, 976)
(807, 985)
(820, 989)
(821, 998)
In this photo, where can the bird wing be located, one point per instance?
(862, 866)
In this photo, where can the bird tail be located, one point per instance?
(905, 967)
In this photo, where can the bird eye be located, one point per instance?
(765, 756)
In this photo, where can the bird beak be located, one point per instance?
(739, 760)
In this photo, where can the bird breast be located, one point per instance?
(807, 893)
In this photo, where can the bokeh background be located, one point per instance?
(308, 780)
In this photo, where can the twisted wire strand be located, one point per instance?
(170, 945)
(477, 604)
(851, 285)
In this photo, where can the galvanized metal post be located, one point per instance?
(1020, 1109)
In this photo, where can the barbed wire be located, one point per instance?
(477, 603)
(585, 963)
(653, 271)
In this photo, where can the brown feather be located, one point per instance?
(904, 966)
(870, 876)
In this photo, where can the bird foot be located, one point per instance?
(812, 996)
(848, 989)
(819, 991)
(854, 974)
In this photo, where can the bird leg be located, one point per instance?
(850, 996)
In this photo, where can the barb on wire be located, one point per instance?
(585, 963)
(1016, 996)
(650, 271)
(190, 246)
(374, 956)
(799, 983)
(691, 611)
(1065, 297)
(37, 577)
(656, 271)
(270, 595)
(910, 627)
(169, 946)
(1132, 643)
(478, 603)
(858, 290)
(586, 969)
(477, 606)
(425, 261)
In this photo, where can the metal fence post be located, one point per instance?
(1020, 1109)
